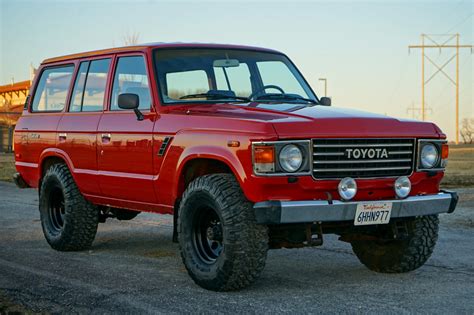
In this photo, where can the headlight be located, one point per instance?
(281, 158)
(291, 158)
(429, 156)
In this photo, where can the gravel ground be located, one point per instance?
(133, 267)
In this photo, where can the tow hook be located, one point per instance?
(311, 238)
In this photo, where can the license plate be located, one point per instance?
(369, 213)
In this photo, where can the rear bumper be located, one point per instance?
(281, 212)
(19, 181)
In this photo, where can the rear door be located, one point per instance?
(77, 130)
(37, 127)
(125, 143)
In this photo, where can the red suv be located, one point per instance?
(234, 143)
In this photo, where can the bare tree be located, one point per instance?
(130, 39)
(467, 130)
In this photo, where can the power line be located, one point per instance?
(399, 81)
(444, 17)
(460, 23)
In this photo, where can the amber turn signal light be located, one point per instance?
(233, 143)
(264, 158)
(264, 154)
(444, 151)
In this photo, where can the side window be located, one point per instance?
(78, 92)
(94, 91)
(89, 89)
(239, 79)
(131, 77)
(52, 89)
(186, 82)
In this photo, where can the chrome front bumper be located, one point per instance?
(281, 212)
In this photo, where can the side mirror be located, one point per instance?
(325, 101)
(130, 101)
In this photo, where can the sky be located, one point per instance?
(361, 47)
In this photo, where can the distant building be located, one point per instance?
(12, 100)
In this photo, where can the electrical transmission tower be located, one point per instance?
(440, 41)
(415, 111)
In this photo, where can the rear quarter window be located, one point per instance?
(89, 89)
(96, 82)
(52, 89)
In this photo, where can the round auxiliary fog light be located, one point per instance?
(402, 187)
(347, 188)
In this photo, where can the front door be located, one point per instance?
(125, 144)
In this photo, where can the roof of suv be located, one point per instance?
(142, 47)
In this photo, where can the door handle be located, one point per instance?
(62, 136)
(106, 136)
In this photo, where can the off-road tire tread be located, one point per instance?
(403, 256)
(82, 217)
(246, 249)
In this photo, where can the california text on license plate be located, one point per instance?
(369, 213)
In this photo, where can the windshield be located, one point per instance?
(232, 75)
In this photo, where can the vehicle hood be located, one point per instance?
(323, 121)
(296, 121)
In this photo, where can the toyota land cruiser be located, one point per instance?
(234, 143)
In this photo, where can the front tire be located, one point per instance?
(221, 245)
(69, 221)
(398, 256)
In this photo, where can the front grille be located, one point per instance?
(362, 158)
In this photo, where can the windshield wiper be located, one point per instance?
(289, 97)
(215, 96)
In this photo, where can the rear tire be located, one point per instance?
(398, 256)
(221, 245)
(69, 221)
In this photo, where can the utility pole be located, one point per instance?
(440, 41)
(325, 86)
(422, 77)
(417, 110)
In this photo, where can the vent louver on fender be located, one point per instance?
(164, 145)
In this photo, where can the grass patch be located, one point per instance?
(7, 167)
(460, 170)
